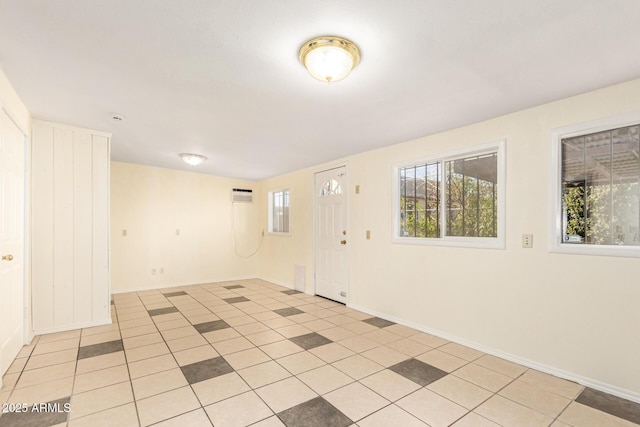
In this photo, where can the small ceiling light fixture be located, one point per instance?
(192, 159)
(117, 117)
(329, 58)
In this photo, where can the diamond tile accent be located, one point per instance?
(309, 341)
(314, 413)
(418, 372)
(236, 300)
(214, 325)
(378, 322)
(52, 413)
(289, 311)
(159, 311)
(291, 292)
(233, 287)
(613, 405)
(210, 368)
(100, 349)
(175, 294)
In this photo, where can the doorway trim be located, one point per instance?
(346, 193)
(25, 309)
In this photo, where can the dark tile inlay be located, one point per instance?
(310, 341)
(378, 322)
(159, 311)
(207, 369)
(291, 292)
(418, 372)
(610, 404)
(175, 294)
(233, 287)
(211, 326)
(38, 415)
(288, 311)
(316, 412)
(236, 299)
(100, 349)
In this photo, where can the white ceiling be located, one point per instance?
(222, 77)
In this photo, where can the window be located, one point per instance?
(279, 211)
(330, 188)
(598, 205)
(454, 200)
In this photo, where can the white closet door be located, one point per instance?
(70, 210)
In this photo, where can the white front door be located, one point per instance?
(11, 240)
(332, 237)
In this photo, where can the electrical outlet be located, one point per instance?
(368, 235)
(154, 271)
(357, 189)
(527, 240)
(124, 233)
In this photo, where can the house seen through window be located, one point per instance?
(454, 197)
(601, 188)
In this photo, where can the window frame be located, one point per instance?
(499, 147)
(556, 243)
(270, 224)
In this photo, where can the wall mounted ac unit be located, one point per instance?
(240, 195)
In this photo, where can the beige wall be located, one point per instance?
(152, 203)
(574, 315)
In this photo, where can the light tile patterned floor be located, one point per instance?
(254, 353)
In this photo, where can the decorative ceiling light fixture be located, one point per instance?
(329, 58)
(192, 159)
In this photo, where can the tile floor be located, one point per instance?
(254, 353)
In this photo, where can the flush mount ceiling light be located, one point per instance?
(329, 58)
(192, 159)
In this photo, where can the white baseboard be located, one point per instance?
(152, 287)
(276, 282)
(286, 285)
(567, 375)
(73, 327)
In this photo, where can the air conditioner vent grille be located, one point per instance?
(241, 195)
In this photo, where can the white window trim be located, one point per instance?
(464, 242)
(270, 212)
(555, 231)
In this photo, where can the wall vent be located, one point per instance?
(241, 195)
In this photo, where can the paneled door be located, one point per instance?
(332, 272)
(12, 145)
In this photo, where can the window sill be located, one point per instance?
(597, 250)
(457, 242)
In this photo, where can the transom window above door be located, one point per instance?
(330, 188)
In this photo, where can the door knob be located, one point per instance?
(7, 257)
(343, 242)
